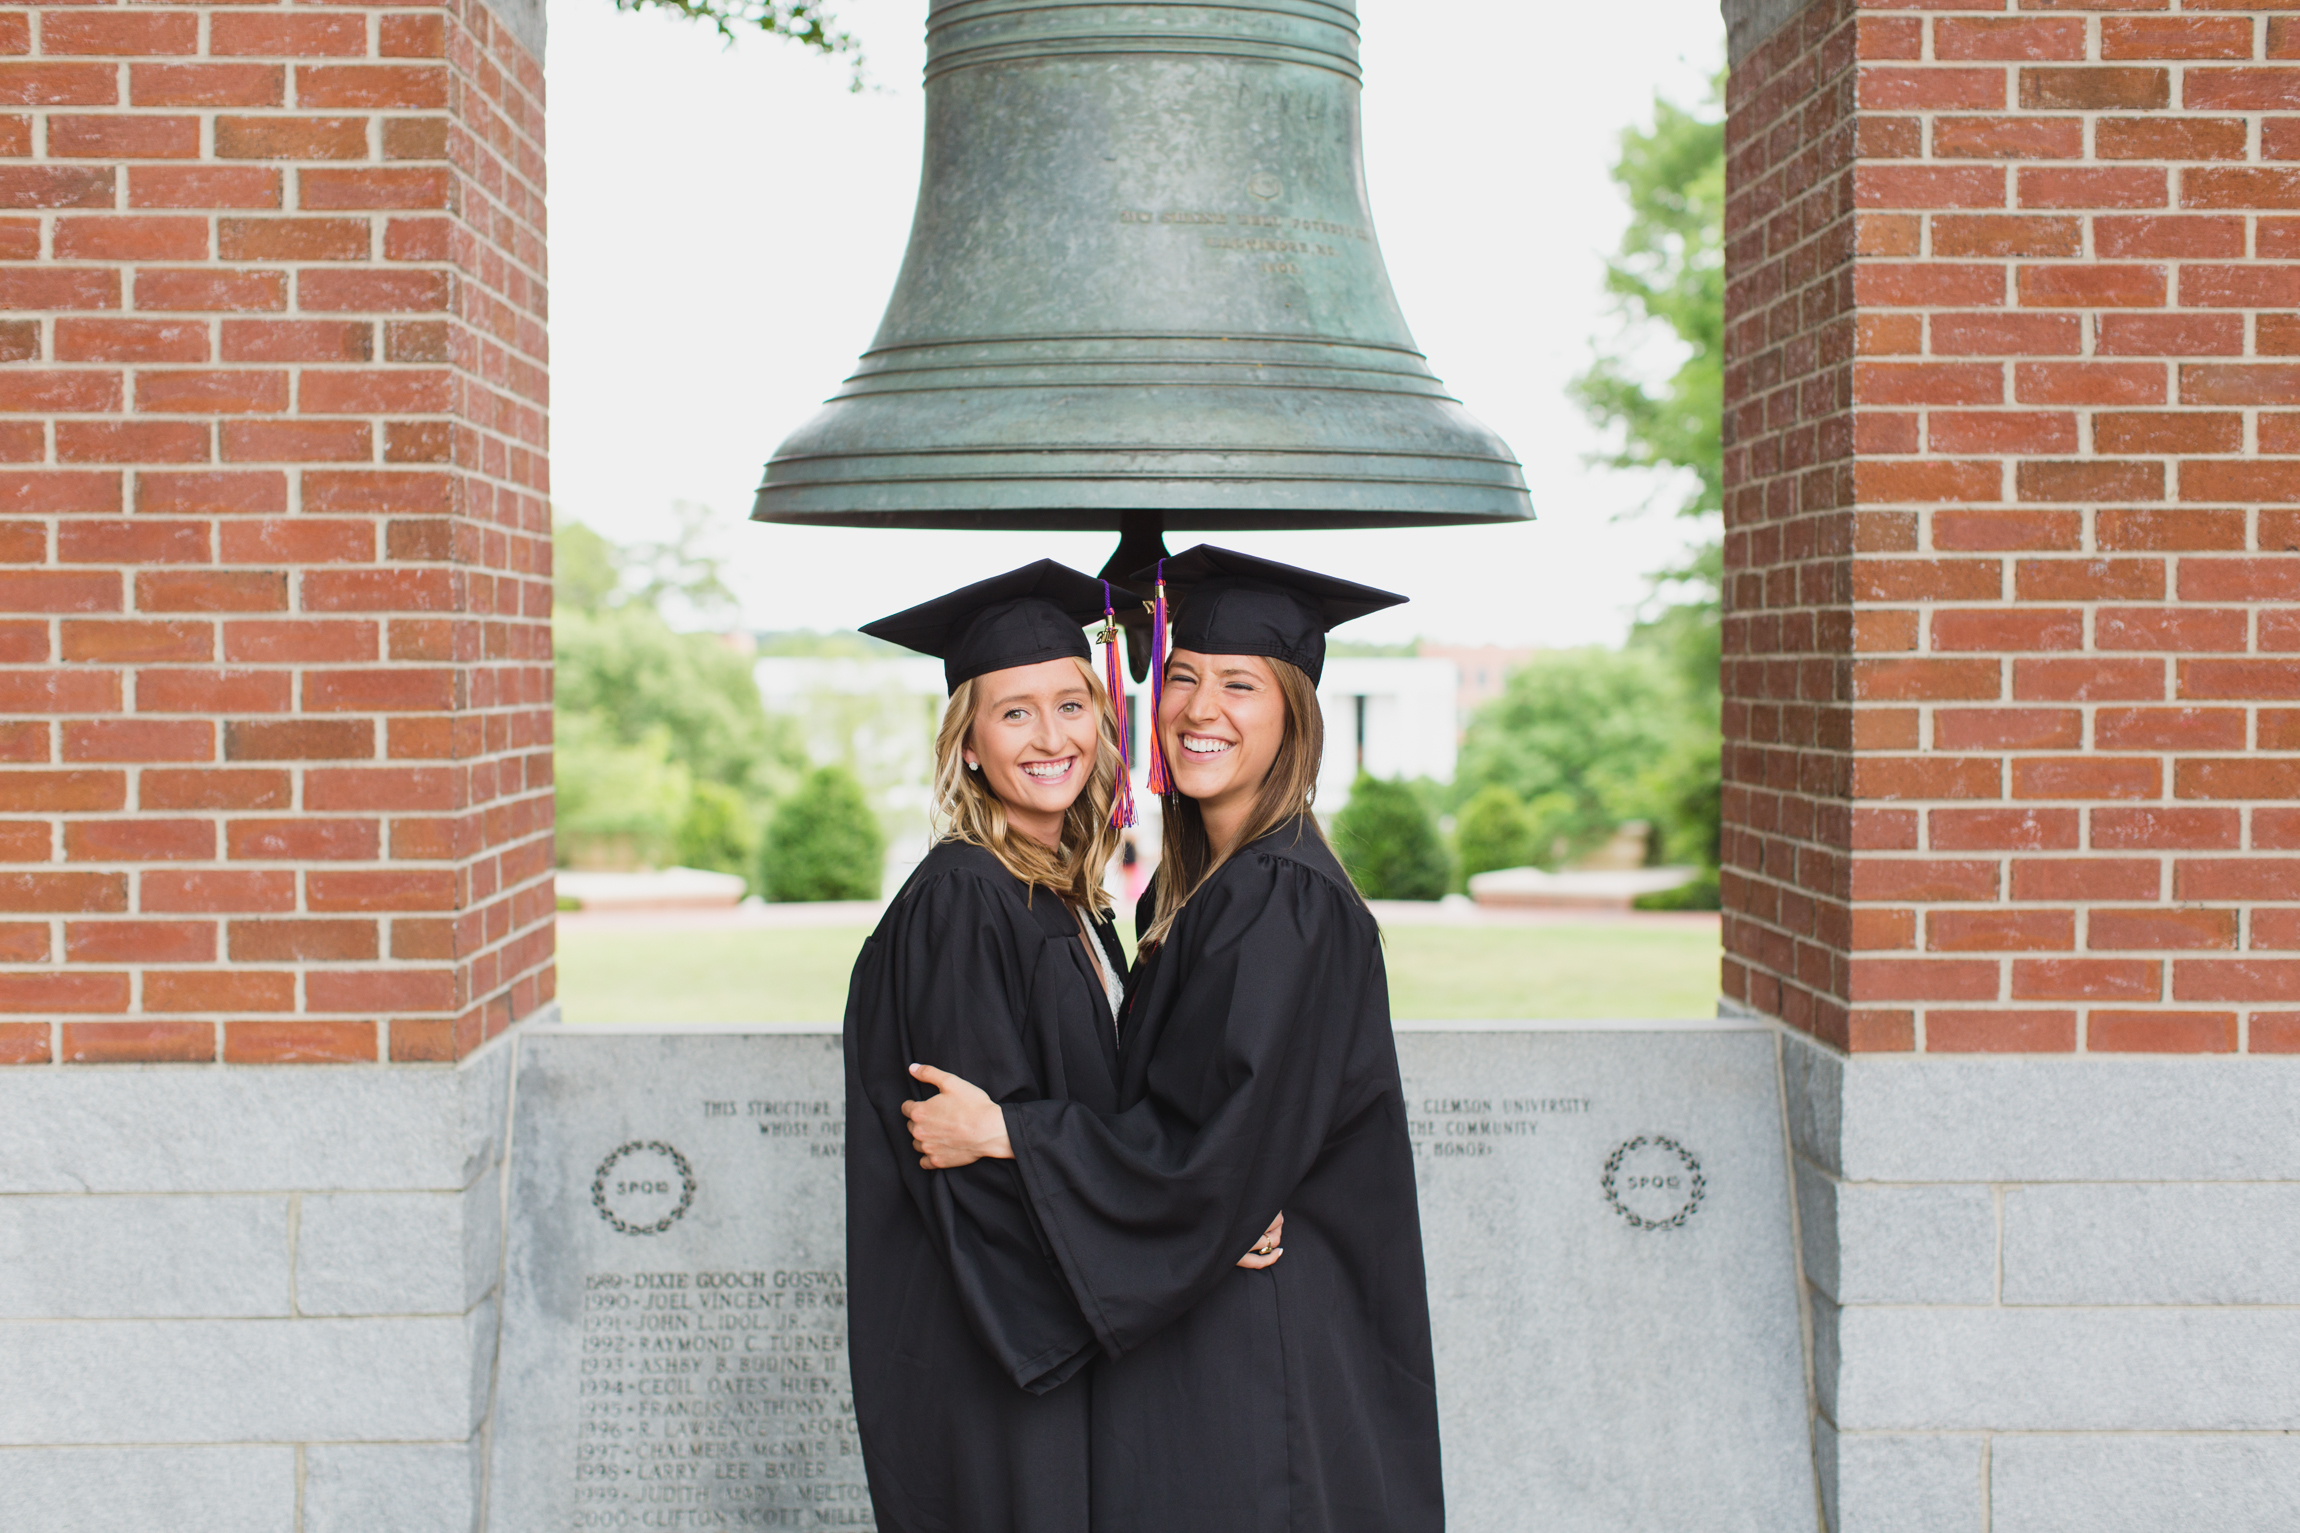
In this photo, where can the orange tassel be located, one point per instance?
(1161, 778)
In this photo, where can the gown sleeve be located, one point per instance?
(949, 990)
(1262, 1050)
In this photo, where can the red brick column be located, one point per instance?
(274, 544)
(2013, 527)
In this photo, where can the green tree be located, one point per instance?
(619, 801)
(1683, 795)
(1587, 725)
(632, 690)
(1669, 276)
(633, 669)
(1390, 843)
(1668, 280)
(680, 576)
(585, 573)
(824, 843)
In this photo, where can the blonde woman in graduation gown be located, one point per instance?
(965, 1340)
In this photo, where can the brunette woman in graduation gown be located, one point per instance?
(1257, 1073)
(998, 952)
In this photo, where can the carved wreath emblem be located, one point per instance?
(601, 1182)
(1683, 1179)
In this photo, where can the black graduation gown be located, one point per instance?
(1258, 1074)
(960, 1328)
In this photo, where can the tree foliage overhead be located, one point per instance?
(1669, 279)
(809, 23)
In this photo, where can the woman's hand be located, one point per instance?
(1266, 1250)
(957, 1128)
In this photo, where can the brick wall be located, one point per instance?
(274, 552)
(2013, 527)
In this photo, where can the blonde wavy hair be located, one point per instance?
(1289, 791)
(968, 811)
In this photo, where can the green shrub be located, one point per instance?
(1390, 844)
(1493, 831)
(719, 832)
(1701, 894)
(823, 843)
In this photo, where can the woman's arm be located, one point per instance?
(961, 1125)
(1273, 1035)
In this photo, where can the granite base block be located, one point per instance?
(226, 1381)
(80, 1258)
(2043, 1118)
(2142, 1484)
(391, 1487)
(1870, 1244)
(399, 1253)
(237, 1489)
(1877, 1484)
(2192, 1243)
(1921, 1369)
(254, 1128)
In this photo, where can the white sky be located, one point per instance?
(726, 225)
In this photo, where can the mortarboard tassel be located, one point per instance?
(1122, 802)
(1161, 779)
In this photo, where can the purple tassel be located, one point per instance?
(1122, 803)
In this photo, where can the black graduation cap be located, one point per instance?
(1024, 616)
(1235, 604)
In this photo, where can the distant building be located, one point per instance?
(1391, 718)
(1484, 672)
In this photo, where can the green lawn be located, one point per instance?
(1436, 972)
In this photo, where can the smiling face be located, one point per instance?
(1222, 719)
(1034, 737)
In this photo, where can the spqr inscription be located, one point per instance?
(643, 1187)
(1653, 1182)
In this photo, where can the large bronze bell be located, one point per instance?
(1142, 290)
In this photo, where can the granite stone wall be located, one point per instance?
(249, 1298)
(2012, 455)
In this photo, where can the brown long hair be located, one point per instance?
(1288, 792)
(970, 812)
